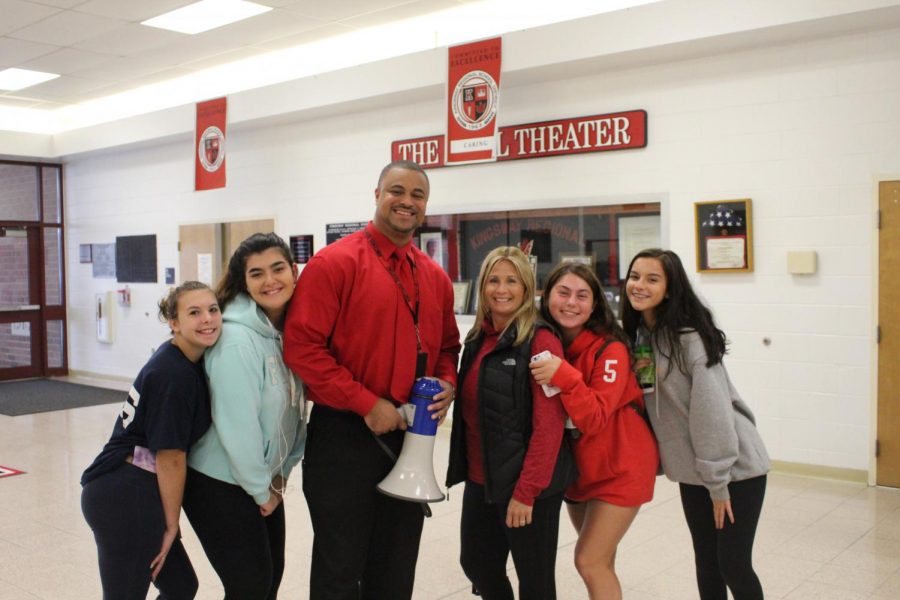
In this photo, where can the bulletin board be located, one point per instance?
(136, 259)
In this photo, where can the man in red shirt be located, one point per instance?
(370, 314)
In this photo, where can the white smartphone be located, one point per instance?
(550, 390)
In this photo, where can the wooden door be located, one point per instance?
(235, 233)
(206, 248)
(888, 461)
(200, 252)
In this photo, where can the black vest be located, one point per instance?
(505, 414)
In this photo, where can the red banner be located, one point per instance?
(209, 148)
(473, 94)
(598, 133)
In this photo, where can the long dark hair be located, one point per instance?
(234, 281)
(681, 309)
(602, 320)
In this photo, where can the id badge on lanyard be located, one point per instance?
(421, 355)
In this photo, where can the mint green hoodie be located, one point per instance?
(258, 405)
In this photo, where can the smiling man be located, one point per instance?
(371, 314)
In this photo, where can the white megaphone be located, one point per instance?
(412, 477)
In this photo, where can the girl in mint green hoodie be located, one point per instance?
(239, 469)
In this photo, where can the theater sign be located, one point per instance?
(579, 135)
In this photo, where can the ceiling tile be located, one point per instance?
(62, 87)
(67, 60)
(18, 14)
(130, 10)
(261, 28)
(18, 102)
(122, 69)
(129, 39)
(66, 28)
(223, 58)
(189, 49)
(62, 3)
(345, 9)
(312, 35)
(278, 3)
(14, 52)
(399, 13)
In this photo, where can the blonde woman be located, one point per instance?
(507, 440)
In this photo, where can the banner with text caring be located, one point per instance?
(473, 96)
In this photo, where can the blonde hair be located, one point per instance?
(525, 317)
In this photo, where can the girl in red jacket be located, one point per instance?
(614, 449)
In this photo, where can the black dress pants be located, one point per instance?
(125, 512)
(245, 549)
(486, 543)
(365, 544)
(724, 557)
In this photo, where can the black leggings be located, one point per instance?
(724, 557)
(245, 548)
(487, 542)
(124, 511)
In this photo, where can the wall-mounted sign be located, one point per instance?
(302, 248)
(104, 260)
(579, 135)
(336, 231)
(473, 95)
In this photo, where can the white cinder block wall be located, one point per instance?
(805, 130)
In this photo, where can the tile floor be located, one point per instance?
(818, 539)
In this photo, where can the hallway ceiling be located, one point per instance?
(100, 48)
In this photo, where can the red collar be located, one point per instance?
(385, 245)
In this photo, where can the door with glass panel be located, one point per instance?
(20, 323)
(32, 291)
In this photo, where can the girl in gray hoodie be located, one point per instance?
(707, 435)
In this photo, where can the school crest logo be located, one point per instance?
(475, 100)
(211, 149)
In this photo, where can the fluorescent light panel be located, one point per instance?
(205, 15)
(17, 79)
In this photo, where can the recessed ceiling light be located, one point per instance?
(17, 79)
(205, 15)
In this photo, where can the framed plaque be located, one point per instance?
(461, 290)
(724, 236)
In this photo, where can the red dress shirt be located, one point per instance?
(548, 420)
(616, 453)
(349, 333)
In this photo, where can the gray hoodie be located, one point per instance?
(707, 435)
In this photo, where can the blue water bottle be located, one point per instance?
(421, 396)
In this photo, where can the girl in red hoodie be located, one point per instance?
(614, 448)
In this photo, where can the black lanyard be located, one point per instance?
(413, 308)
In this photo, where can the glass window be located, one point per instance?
(18, 193)
(15, 345)
(53, 265)
(591, 235)
(50, 180)
(56, 344)
(14, 288)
